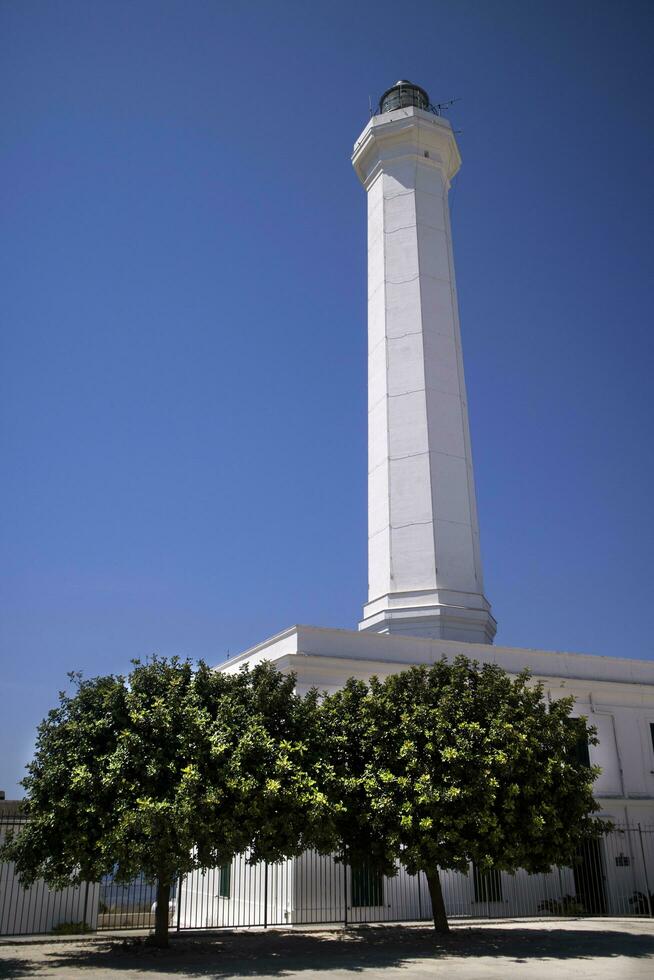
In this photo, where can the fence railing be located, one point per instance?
(611, 876)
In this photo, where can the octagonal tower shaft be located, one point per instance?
(424, 564)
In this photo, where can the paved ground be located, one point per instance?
(580, 948)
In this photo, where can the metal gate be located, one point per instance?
(612, 876)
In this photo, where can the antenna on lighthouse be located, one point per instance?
(444, 105)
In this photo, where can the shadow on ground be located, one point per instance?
(17, 966)
(279, 953)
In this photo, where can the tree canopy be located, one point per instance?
(176, 768)
(455, 763)
(168, 770)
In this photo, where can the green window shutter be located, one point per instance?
(488, 885)
(367, 886)
(579, 754)
(582, 755)
(225, 881)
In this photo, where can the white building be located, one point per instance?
(426, 594)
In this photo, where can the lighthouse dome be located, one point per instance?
(403, 94)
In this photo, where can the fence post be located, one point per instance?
(344, 888)
(419, 897)
(642, 851)
(265, 895)
(86, 902)
(180, 879)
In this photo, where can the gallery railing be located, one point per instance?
(612, 876)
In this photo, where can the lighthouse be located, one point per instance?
(424, 562)
(426, 598)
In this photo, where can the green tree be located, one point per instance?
(169, 770)
(441, 766)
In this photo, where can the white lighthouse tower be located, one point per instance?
(424, 564)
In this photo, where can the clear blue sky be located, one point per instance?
(183, 327)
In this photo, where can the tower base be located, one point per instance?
(439, 615)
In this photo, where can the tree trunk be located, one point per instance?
(437, 903)
(161, 914)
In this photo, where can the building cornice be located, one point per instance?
(370, 651)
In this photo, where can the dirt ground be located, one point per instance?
(616, 949)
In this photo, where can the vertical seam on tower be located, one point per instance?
(432, 488)
(472, 503)
(391, 572)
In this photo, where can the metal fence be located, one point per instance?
(611, 876)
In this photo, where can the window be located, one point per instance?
(367, 886)
(225, 881)
(581, 753)
(488, 885)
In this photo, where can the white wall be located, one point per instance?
(38, 909)
(258, 896)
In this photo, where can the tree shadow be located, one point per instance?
(283, 953)
(15, 966)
